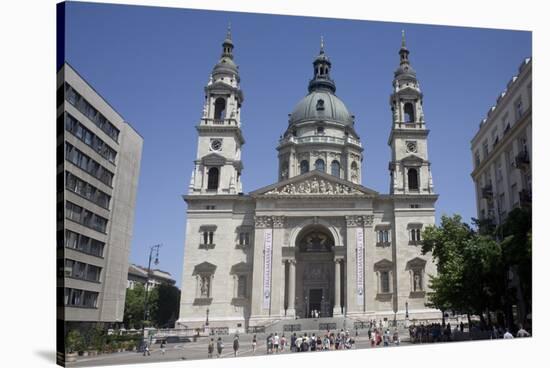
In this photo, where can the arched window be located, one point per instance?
(219, 109)
(412, 175)
(335, 168)
(320, 165)
(304, 167)
(213, 178)
(409, 113)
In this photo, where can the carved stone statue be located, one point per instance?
(205, 286)
(417, 282)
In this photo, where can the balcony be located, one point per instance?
(487, 192)
(220, 122)
(321, 139)
(522, 161)
(525, 198)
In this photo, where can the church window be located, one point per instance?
(354, 172)
(304, 167)
(383, 236)
(320, 165)
(320, 105)
(320, 130)
(213, 178)
(207, 236)
(244, 239)
(415, 231)
(409, 113)
(219, 109)
(241, 286)
(335, 168)
(384, 281)
(412, 175)
(519, 109)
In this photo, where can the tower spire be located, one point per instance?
(228, 36)
(321, 72)
(403, 44)
(322, 46)
(228, 44)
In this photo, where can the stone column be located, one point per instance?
(291, 310)
(277, 278)
(337, 283)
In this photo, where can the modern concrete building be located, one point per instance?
(138, 275)
(317, 239)
(501, 150)
(99, 156)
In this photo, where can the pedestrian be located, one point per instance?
(146, 350)
(163, 347)
(283, 342)
(219, 345)
(236, 345)
(461, 327)
(276, 341)
(269, 343)
(254, 343)
(508, 335)
(396, 340)
(211, 348)
(522, 332)
(293, 342)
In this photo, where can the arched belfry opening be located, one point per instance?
(315, 267)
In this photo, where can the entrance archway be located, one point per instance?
(314, 272)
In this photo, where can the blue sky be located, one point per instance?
(152, 64)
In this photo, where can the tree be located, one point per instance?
(134, 304)
(468, 267)
(167, 305)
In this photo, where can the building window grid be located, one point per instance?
(81, 270)
(87, 109)
(92, 167)
(84, 244)
(86, 190)
(415, 235)
(80, 298)
(85, 217)
(76, 128)
(383, 237)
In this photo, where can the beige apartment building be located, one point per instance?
(98, 165)
(501, 150)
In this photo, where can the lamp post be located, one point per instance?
(155, 249)
(206, 324)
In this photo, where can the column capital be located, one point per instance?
(262, 222)
(278, 221)
(359, 220)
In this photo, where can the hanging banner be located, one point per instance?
(360, 266)
(268, 246)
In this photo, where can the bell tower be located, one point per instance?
(409, 166)
(218, 164)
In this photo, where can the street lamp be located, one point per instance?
(155, 249)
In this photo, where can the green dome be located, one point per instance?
(321, 105)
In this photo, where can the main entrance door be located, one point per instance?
(314, 272)
(315, 299)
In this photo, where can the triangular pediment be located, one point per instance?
(204, 268)
(314, 183)
(213, 159)
(412, 159)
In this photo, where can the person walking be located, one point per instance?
(146, 350)
(219, 346)
(211, 348)
(163, 347)
(276, 343)
(236, 345)
(254, 343)
(283, 343)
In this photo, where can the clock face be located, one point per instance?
(411, 146)
(216, 144)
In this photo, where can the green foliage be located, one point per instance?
(466, 264)
(162, 306)
(74, 342)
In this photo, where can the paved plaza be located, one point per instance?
(198, 350)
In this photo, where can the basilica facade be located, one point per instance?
(317, 239)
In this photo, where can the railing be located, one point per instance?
(522, 160)
(525, 198)
(226, 121)
(487, 192)
(321, 139)
(292, 328)
(327, 326)
(255, 329)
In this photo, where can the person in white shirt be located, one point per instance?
(508, 335)
(522, 332)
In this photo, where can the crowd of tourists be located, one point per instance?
(438, 332)
(315, 342)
